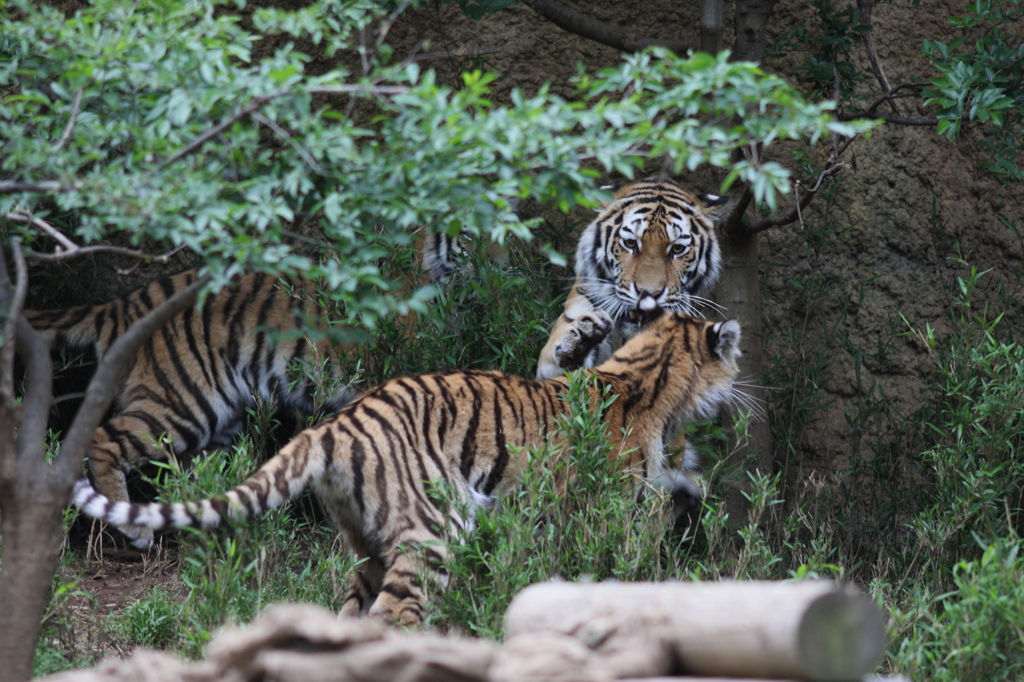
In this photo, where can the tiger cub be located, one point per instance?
(193, 379)
(373, 464)
(653, 247)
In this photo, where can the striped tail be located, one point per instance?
(283, 477)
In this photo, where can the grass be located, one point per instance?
(926, 514)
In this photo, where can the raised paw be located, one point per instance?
(586, 332)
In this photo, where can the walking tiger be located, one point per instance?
(194, 377)
(373, 464)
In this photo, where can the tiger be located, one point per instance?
(374, 465)
(652, 247)
(192, 381)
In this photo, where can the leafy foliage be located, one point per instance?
(986, 85)
(974, 631)
(827, 67)
(158, 121)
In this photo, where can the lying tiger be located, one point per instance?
(372, 465)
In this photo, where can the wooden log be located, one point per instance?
(810, 630)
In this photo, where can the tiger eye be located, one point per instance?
(629, 244)
(677, 249)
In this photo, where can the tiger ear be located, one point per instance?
(725, 340)
(613, 188)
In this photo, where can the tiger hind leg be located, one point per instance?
(402, 598)
(363, 587)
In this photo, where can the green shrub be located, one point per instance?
(154, 621)
(973, 632)
(590, 529)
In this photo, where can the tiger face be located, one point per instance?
(653, 247)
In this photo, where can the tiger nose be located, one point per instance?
(648, 299)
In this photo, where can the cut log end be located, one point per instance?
(841, 637)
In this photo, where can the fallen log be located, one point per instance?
(810, 630)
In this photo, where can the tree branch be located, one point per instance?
(11, 303)
(80, 251)
(67, 249)
(794, 213)
(28, 219)
(283, 134)
(34, 351)
(100, 392)
(17, 187)
(865, 7)
(66, 135)
(888, 118)
(568, 19)
(258, 102)
(734, 223)
(216, 130)
(888, 96)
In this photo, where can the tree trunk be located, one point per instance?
(738, 287)
(739, 292)
(711, 13)
(33, 493)
(30, 514)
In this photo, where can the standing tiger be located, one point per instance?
(372, 466)
(193, 379)
(653, 247)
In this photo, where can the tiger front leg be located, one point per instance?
(575, 342)
(119, 446)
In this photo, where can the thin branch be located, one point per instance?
(300, 150)
(16, 187)
(358, 89)
(80, 251)
(572, 21)
(386, 25)
(794, 213)
(67, 249)
(463, 52)
(216, 130)
(888, 96)
(846, 145)
(66, 135)
(258, 102)
(865, 7)
(100, 392)
(28, 219)
(888, 118)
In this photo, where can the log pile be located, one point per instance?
(556, 632)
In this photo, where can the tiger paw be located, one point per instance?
(587, 331)
(140, 538)
(684, 491)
